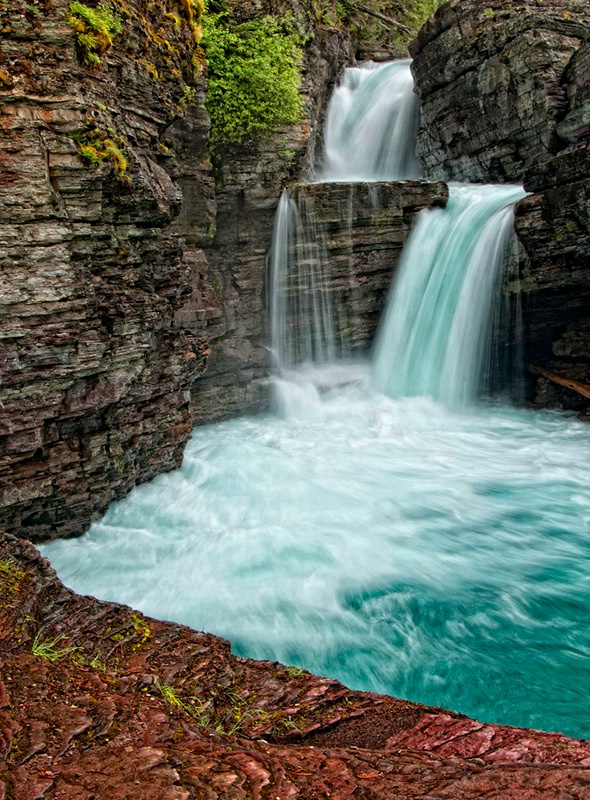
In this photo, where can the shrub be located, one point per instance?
(254, 77)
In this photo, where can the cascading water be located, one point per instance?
(370, 135)
(435, 337)
(301, 316)
(387, 541)
(371, 125)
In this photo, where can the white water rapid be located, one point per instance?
(377, 529)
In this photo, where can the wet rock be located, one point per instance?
(99, 701)
(359, 231)
(491, 78)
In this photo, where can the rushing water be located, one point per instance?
(390, 543)
(386, 540)
(436, 336)
(371, 125)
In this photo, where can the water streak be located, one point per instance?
(301, 315)
(435, 338)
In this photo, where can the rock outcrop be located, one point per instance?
(96, 377)
(490, 79)
(97, 700)
(505, 97)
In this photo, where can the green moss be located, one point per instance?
(95, 28)
(571, 226)
(96, 147)
(10, 575)
(254, 77)
(141, 628)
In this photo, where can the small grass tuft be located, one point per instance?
(48, 648)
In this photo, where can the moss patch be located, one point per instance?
(95, 28)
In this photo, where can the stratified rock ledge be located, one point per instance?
(98, 701)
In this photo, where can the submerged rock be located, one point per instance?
(97, 700)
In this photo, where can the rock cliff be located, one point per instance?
(95, 376)
(504, 91)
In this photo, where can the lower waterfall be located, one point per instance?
(394, 542)
(435, 338)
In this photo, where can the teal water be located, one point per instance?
(390, 543)
(436, 336)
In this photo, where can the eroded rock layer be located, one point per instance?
(95, 376)
(97, 700)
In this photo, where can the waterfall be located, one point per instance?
(371, 125)
(435, 337)
(370, 136)
(301, 310)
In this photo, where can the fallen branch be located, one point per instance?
(388, 20)
(562, 380)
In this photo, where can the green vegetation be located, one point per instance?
(370, 17)
(254, 76)
(48, 648)
(96, 146)
(141, 628)
(95, 28)
(10, 575)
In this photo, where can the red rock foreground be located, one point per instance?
(97, 701)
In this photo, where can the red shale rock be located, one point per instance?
(98, 701)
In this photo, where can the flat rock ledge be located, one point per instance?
(98, 701)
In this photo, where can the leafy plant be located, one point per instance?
(254, 77)
(95, 28)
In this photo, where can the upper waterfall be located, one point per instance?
(371, 125)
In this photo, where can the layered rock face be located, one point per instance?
(490, 79)
(357, 234)
(96, 377)
(505, 97)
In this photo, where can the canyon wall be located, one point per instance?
(96, 377)
(505, 97)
